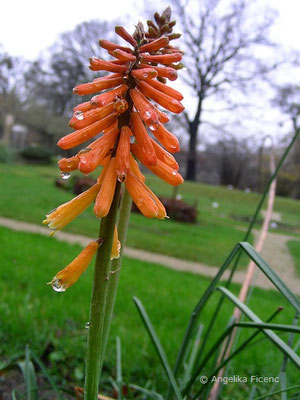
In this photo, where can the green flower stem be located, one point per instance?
(98, 301)
(124, 215)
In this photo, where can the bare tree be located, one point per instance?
(219, 40)
(288, 100)
(52, 78)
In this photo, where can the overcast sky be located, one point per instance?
(28, 27)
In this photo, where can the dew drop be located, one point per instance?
(87, 325)
(153, 127)
(57, 286)
(174, 173)
(65, 175)
(147, 114)
(122, 177)
(79, 115)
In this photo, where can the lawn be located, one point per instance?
(54, 323)
(30, 193)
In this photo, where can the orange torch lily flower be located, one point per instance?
(72, 272)
(106, 193)
(65, 213)
(69, 275)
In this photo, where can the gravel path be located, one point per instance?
(275, 252)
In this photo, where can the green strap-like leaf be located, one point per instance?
(271, 335)
(271, 274)
(158, 347)
(269, 395)
(149, 393)
(119, 369)
(28, 372)
(45, 372)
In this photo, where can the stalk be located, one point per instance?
(124, 215)
(98, 319)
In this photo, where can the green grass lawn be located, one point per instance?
(54, 323)
(294, 247)
(29, 193)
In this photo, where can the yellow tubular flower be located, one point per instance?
(69, 275)
(72, 272)
(65, 213)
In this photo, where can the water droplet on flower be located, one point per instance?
(79, 115)
(121, 178)
(153, 127)
(147, 114)
(65, 175)
(174, 173)
(57, 286)
(87, 325)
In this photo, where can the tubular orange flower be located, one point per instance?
(106, 193)
(163, 72)
(125, 35)
(99, 84)
(146, 110)
(99, 149)
(165, 89)
(164, 156)
(162, 99)
(143, 140)
(161, 58)
(162, 116)
(82, 135)
(65, 213)
(72, 272)
(82, 120)
(134, 168)
(68, 164)
(155, 45)
(100, 65)
(161, 169)
(123, 55)
(144, 73)
(83, 107)
(167, 139)
(69, 275)
(107, 45)
(108, 97)
(123, 153)
(141, 197)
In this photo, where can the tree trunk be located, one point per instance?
(8, 124)
(191, 168)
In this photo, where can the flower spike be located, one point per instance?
(125, 123)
